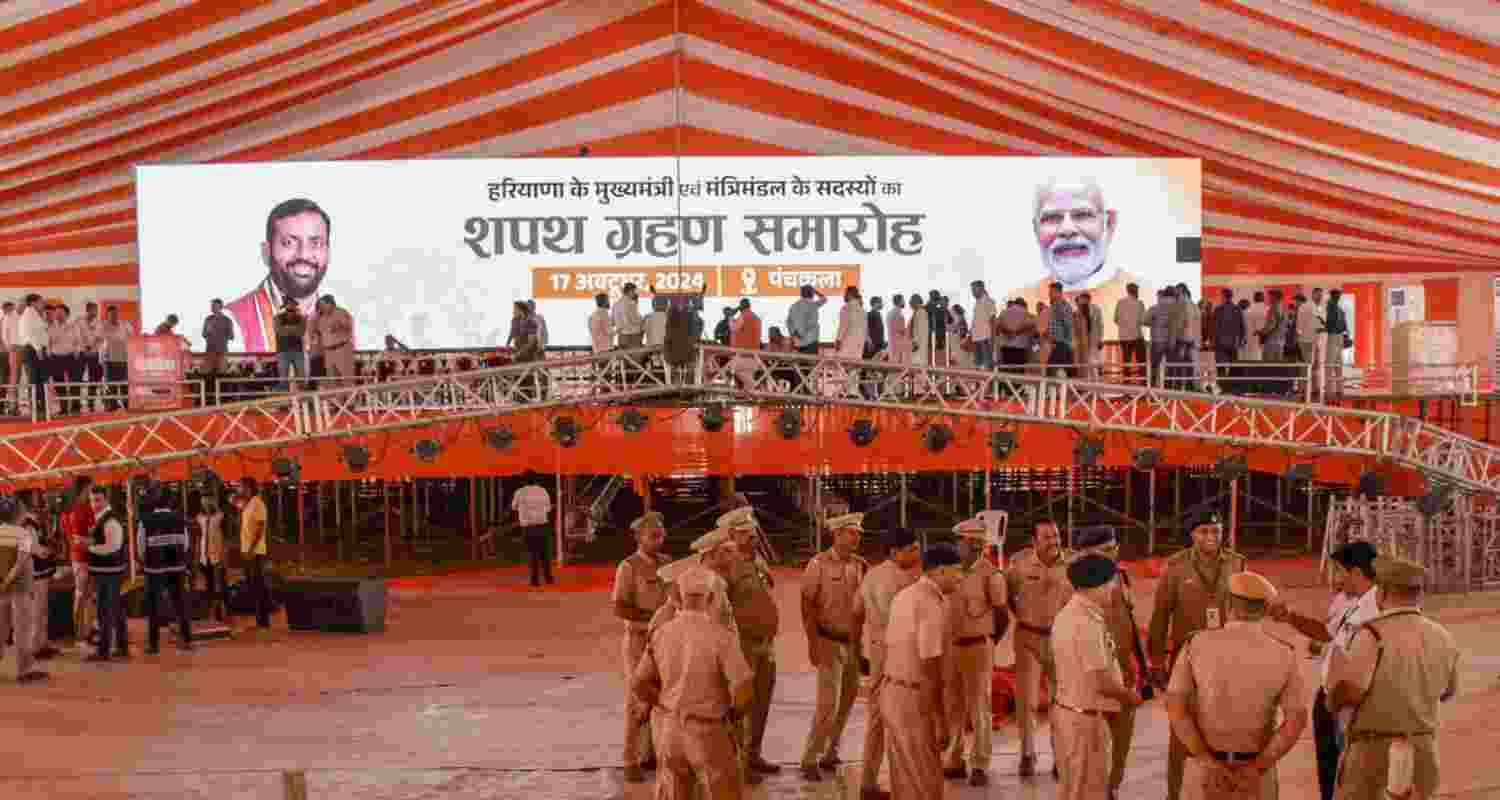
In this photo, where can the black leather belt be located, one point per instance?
(1232, 757)
(842, 638)
(1034, 629)
(695, 717)
(903, 683)
(1363, 736)
(970, 641)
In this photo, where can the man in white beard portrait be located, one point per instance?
(1074, 229)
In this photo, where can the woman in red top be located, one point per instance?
(77, 524)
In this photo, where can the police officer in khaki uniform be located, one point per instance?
(1119, 617)
(715, 552)
(1193, 595)
(978, 617)
(695, 679)
(916, 701)
(1090, 685)
(1400, 665)
(872, 615)
(1227, 687)
(638, 593)
(1037, 588)
(759, 620)
(829, 586)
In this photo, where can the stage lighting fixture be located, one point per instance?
(1147, 458)
(937, 437)
(283, 467)
(863, 432)
(1001, 443)
(1299, 473)
(1231, 467)
(565, 431)
(713, 418)
(789, 423)
(633, 421)
(1436, 501)
(499, 438)
(1086, 453)
(427, 450)
(1371, 484)
(356, 457)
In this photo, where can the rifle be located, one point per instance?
(1147, 690)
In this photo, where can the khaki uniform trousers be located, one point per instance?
(637, 714)
(694, 752)
(975, 666)
(340, 363)
(85, 614)
(838, 686)
(1033, 661)
(1195, 785)
(912, 743)
(41, 599)
(16, 616)
(1121, 732)
(1083, 754)
(1365, 769)
(761, 655)
(875, 733)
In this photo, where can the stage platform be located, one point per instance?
(480, 691)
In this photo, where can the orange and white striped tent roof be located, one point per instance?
(1358, 136)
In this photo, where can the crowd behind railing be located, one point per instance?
(1294, 350)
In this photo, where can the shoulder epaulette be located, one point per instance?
(1181, 555)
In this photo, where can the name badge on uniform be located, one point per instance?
(1213, 617)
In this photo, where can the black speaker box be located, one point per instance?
(339, 605)
(60, 614)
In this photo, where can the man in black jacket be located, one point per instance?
(1229, 336)
(162, 541)
(874, 345)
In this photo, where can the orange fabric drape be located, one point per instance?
(1369, 321)
(1442, 299)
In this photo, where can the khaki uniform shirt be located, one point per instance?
(971, 608)
(1082, 645)
(831, 584)
(876, 594)
(1418, 667)
(1192, 596)
(1120, 619)
(1036, 591)
(1235, 678)
(755, 610)
(637, 585)
(918, 631)
(698, 663)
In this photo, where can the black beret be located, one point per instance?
(941, 554)
(898, 538)
(1201, 517)
(1094, 536)
(1352, 555)
(1090, 571)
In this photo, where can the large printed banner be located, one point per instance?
(436, 253)
(155, 366)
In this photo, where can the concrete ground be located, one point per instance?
(479, 690)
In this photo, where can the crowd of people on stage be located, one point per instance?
(922, 626)
(1187, 344)
(85, 539)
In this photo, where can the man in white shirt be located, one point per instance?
(1255, 322)
(91, 348)
(33, 337)
(982, 332)
(533, 507)
(1353, 604)
(67, 364)
(655, 324)
(601, 327)
(1311, 341)
(116, 337)
(626, 316)
(1130, 316)
(541, 323)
